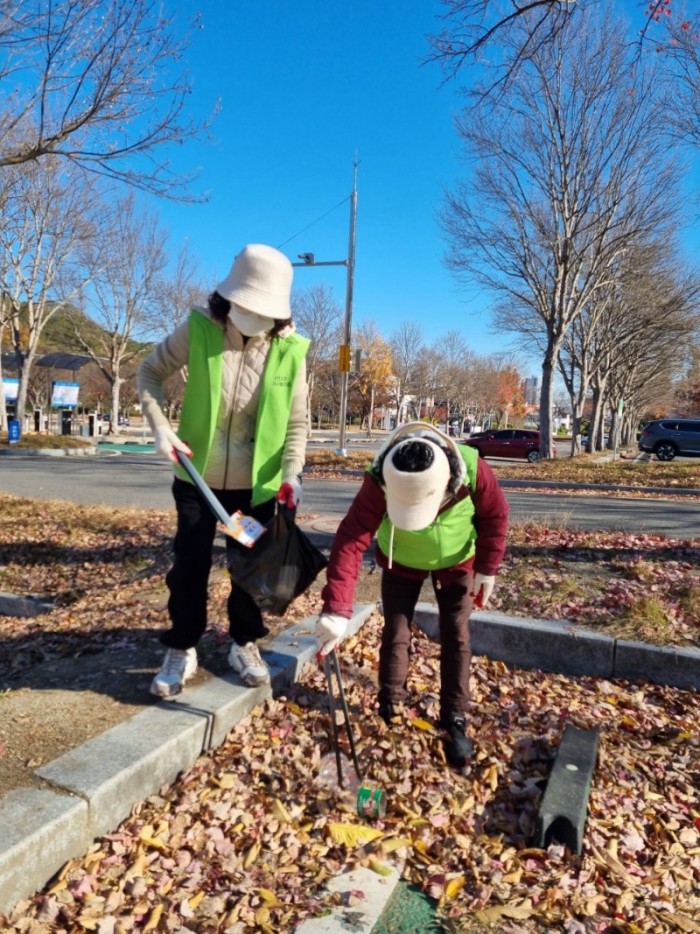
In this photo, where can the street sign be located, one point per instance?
(344, 358)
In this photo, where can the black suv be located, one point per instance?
(667, 437)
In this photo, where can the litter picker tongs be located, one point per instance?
(331, 664)
(203, 488)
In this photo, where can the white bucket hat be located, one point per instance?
(260, 281)
(414, 496)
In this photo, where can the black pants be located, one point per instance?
(188, 578)
(399, 598)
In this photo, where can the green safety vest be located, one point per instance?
(449, 540)
(200, 407)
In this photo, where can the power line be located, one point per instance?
(303, 229)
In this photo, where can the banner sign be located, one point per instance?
(11, 387)
(64, 395)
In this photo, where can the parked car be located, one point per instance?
(668, 437)
(507, 442)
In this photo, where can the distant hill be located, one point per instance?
(59, 333)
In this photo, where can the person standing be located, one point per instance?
(438, 512)
(244, 424)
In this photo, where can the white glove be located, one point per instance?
(290, 493)
(329, 631)
(482, 589)
(167, 442)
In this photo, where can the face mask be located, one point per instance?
(248, 323)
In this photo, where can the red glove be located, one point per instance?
(290, 493)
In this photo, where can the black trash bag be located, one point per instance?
(279, 567)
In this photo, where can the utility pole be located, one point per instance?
(344, 361)
(309, 259)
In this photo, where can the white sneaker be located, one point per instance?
(178, 667)
(246, 660)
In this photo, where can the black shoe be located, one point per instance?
(387, 712)
(459, 749)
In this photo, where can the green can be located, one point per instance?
(371, 802)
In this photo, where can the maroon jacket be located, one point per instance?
(358, 527)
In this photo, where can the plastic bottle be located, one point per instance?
(368, 800)
(328, 774)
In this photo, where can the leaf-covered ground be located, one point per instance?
(596, 468)
(640, 587)
(245, 839)
(100, 566)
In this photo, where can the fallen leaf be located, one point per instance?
(379, 868)
(153, 919)
(422, 725)
(681, 921)
(454, 886)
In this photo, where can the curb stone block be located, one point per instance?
(41, 831)
(546, 645)
(295, 648)
(678, 667)
(126, 764)
(222, 702)
(13, 605)
(361, 917)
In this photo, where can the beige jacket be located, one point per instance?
(231, 457)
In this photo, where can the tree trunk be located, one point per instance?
(371, 412)
(547, 400)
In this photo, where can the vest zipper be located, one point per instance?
(234, 397)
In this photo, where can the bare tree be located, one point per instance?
(176, 293)
(498, 36)
(318, 316)
(50, 225)
(681, 62)
(650, 329)
(406, 346)
(125, 285)
(501, 35)
(6, 311)
(651, 302)
(425, 381)
(94, 83)
(567, 173)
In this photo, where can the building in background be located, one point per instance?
(531, 389)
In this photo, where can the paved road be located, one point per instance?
(143, 481)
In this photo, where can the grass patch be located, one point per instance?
(328, 458)
(34, 441)
(646, 620)
(689, 600)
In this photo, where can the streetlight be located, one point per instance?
(309, 259)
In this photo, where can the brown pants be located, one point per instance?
(399, 598)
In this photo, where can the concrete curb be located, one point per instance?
(13, 605)
(93, 788)
(358, 917)
(564, 648)
(51, 452)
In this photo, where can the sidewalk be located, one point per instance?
(88, 791)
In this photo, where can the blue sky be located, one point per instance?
(303, 87)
